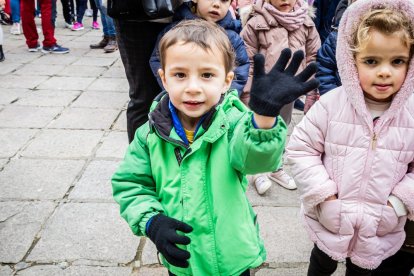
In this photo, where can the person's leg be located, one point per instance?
(399, 264)
(321, 264)
(354, 270)
(2, 57)
(28, 23)
(136, 41)
(80, 10)
(66, 11)
(15, 10)
(48, 26)
(94, 10)
(246, 273)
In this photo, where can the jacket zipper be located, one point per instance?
(374, 141)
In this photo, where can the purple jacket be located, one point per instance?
(336, 149)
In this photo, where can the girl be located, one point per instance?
(352, 154)
(275, 25)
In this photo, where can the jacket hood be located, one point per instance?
(184, 12)
(346, 63)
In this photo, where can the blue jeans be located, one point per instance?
(108, 26)
(15, 10)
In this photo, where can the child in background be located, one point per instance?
(275, 25)
(185, 169)
(352, 154)
(216, 11)
(2, 57)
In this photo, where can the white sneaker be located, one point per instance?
(15, 29)
(283, 179)
(68, 25)
(89, 12)
(262, 183)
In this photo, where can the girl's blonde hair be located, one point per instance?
(386, 21)
(203, 34)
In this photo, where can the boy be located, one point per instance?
(185, 169)
(215, 11)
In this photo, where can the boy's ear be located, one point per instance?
(161, 73)
(227, 81)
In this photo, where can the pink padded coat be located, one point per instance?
(336, 149)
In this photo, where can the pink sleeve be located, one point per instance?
(304, 155)
(404, 190)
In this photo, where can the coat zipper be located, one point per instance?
(374, 141)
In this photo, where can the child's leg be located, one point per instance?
(399, 264)
(321, 264)
(246, 273)
(94, 10)
(354, 270)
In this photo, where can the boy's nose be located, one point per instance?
(193, 86)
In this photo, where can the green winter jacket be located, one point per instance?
(202, 185)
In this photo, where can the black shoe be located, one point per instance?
(299, 105)
(2, 57)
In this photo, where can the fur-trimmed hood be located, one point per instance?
(346, 63)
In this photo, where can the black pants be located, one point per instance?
(399, 264)
(68, 9)
(246, 273)
(136, 41)
(322, 265)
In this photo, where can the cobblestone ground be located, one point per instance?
(62, 135)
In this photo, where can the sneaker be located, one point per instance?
(56, 49)
(34, 49)
(283, 179)
(68, 25)
(262, 183)
(15, 29)
(77, 26)
(95, 25)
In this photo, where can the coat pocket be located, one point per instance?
(387, 222)
(329, 215)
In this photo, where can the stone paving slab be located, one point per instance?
(5, 270)
(19, 224)
(121, 122)
(107, 84)
(38, 179)
(113, 146)
(7, 67)
(3, 162)
(149, 253)
(66, 83)
(14, 116)
(96, 61)
(153, 271)
(114, 72)
(51, 59)
(95, 183)
(11, 140)
(33, 69)
(91, 231)
(284, 236)
(85, 118)
(99, 99)
(63, 144)
(276, 196)
(19, 58)
(81, 71)
(12, 94)
(53, 270)
(48, 98)
(12, 81)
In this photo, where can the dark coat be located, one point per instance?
(232, 28)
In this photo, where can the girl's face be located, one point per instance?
(212, 10)
(382, 65)
(283, 5)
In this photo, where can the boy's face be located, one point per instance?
(195, 80)
(283, 5)
(212, 10)
(382, 65)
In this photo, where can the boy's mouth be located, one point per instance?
(192, 103)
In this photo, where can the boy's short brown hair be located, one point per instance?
(202, 33)
(386, 21)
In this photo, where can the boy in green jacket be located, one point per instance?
(182, 182)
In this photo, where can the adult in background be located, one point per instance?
(108, 42)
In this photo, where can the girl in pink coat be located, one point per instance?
(352, 154)
(274, 26)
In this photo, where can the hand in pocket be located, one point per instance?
(329, 215)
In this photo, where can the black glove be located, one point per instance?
(162, 231)
(270, 92)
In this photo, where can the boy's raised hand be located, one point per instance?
(163, 232)
(270, 92)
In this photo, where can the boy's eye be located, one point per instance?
(207, 75)
(179, 75)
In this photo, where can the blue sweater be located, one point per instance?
(231, 26)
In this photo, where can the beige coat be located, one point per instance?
(263, 34)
